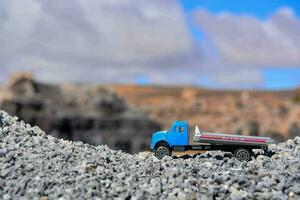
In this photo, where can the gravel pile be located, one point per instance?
(34, 165)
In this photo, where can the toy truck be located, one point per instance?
(177, 139)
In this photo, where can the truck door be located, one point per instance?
(180, 134)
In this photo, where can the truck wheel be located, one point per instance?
(162, 151)
(242, 154)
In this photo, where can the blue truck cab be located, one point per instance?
(177, 135)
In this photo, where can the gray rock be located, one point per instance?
(296, 188)
(34, 165)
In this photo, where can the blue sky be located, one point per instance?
(259, 8)
(273, 77)
(281, 78)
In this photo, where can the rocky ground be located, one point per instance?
(34, 165)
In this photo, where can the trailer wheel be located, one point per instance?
(242, 154)
(162, 151)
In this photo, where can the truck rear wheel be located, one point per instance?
(162, 151)
(242, 154)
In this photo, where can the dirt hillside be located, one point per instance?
(275, 114)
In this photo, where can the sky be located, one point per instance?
(280, 77)
(226, 44)
(258, 8)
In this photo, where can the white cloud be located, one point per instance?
(119, 35)
(248, 40)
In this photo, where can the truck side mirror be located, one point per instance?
(197, 131)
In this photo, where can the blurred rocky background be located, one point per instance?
(91, 114)
(124, 117)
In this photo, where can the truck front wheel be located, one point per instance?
(162, 151)
(242, 154)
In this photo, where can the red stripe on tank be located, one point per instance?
(229, 138)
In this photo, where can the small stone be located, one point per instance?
(29, 167)
(154, 187)
(181, 195)
(208, 164)
(237, 194)
(297, 140)
(6, 197)
(291, 194)
(119, 189)
(144, 155)
(4, 173)
(234, 193)
(290, 143)
(296, 188)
